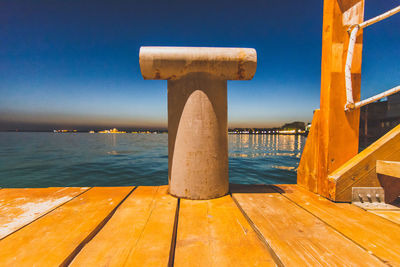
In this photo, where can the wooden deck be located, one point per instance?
(256, 225)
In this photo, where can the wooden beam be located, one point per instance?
(337, 130)
(307, 172)
(360, 171)
(390, 168)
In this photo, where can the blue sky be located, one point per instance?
(75, 63)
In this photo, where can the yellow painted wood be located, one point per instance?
(360, 171)
(390, 168)
(52, 238)
(215, 233)
(19, 206)
(138, 234)
(297, 237)
(390, 215)
(375, 234)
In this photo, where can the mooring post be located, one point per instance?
(197, 112)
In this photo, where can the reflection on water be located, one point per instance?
(79, 159)
(264, 158)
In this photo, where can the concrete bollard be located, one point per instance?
(197, 112)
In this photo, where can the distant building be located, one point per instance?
(378, 118)
(115, 130)
(297, 125)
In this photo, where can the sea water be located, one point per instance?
(84, 159)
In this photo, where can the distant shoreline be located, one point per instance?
(154, 132)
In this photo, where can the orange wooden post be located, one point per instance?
(336, 140)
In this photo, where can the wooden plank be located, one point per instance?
(360, 171)
(373, 233)
(53, 238)
(138, 234)
(19, 195)
(297, 237)
(307, 173)
(390, 168)
(390, 215)
(215, 233)
(19, 207)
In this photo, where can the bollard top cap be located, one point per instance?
(171, 63)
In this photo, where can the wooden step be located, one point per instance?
(390, 168)
(360, 171)
(389, 178)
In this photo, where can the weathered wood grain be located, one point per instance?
(375, 234)
(215, 233)
(337, 130)
(297, 237)
(390, 215)
(21, 206)
(138, 234)
(390, 168)
(307, 172)
(50, 240)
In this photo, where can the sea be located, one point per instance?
(83, 159)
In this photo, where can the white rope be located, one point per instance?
(349, 60)
(347, 69)
(377, 97)
(380, 17)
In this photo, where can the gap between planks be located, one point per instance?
(215, 233)
(139, 233)
(297, 237)
(380, 246)
(331, 226)
(260, 236)
(95, 231)
(174, 236)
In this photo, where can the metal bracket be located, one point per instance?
(370, 198)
